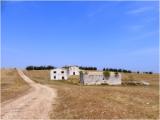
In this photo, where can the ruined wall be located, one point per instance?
(114, 80)
(88, 79)
(92, 79)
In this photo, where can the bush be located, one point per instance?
(81, 72)
(116, 74)
(106, 74)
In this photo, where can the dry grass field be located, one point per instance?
(12, 84)
(102, 102)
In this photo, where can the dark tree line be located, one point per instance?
(49, 67)
(124, 71)
(117, 70)
(87, 68)
(148, 72)
(144, 72)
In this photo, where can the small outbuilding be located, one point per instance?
(73, 70)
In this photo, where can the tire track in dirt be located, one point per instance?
(36, 104)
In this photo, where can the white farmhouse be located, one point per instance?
(63, 73)
(59, 74)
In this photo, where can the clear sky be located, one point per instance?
(103, 34)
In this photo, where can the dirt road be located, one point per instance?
(36, 104)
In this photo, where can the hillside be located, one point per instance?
(102, 102)
(12, 84)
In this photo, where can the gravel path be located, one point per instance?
(36, 104)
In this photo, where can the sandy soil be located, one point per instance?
(36, 104)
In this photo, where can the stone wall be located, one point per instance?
(91, 79)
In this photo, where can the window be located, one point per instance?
(73, 73)
(54, 72)
(62, 77)
(62, 71)
(54, 77)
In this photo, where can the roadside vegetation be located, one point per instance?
(12, 84)
(76, 101)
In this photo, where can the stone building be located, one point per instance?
(97, 78)
(73, 70)
(63, 73)
(59, 74)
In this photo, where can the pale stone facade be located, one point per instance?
(73, 70)
(63, 73)
(97, 78)
(59, 74)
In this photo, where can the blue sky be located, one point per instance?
(103, 34)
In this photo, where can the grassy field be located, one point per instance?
(11, 84)
(102, 102)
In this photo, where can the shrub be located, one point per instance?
(80, 72)
(116, 74)
(106, 74)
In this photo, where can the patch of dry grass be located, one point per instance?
(12, 84)
(39, 76)
(147, 77)
(104, 102)
(100, 102)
